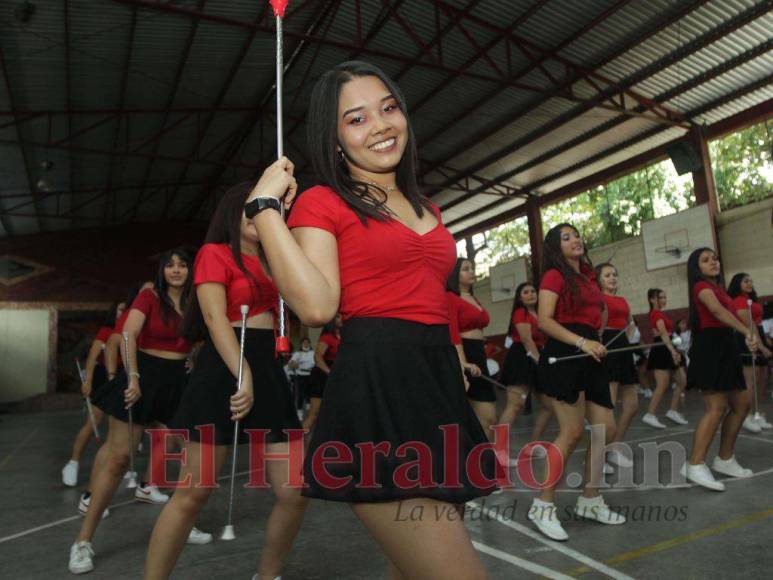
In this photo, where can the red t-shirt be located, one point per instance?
(523, 316)
(705, 318)
(741, 302)
(216, 263)
(118, 328)
(102, 335)
(463, 316)
(386, 269)
(156, 333)
(332, 342)
(585, 308)
(656, 315)
(618, 312)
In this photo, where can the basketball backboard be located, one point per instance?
(505, 277)
(669, 240)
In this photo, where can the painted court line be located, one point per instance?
(520, 562)
(558, 547)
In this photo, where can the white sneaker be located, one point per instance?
(544, 515)
(70, 473)
(198, 537)
(130, 474)
(85, 502)
(701, 475)
(652, 421)
(608, 469)
(676, 417)
(730, 467)
(81, 557)
(596, 509)
(647, 393)
(538, 452)
(751, 425)
(760, 419)
(150, 494)
(617, 458)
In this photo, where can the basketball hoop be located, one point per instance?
(673, 251)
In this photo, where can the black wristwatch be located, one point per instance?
(257, 205)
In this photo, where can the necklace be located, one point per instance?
(386, 188)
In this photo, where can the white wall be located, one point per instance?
(23, 353)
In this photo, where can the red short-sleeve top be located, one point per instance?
(464, 316)
(102, 335)
(618, 312)
(157, 333)
(523, 316)
(585, 308)
(741, 302)
(705, 318)
(386, 269)
(656, 315)
(216, 263)
(332, 342)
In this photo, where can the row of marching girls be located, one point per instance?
(154, 356)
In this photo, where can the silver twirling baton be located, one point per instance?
(89, 409)
(228, 530)
(618, 335)
(757, 415)
(133, 475)
(553, 360)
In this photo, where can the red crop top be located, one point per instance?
(156, 333)
(705, 318)
(618, 312)
(216, 263)
(386, 269)
(740, 302)
(332, 342)
(656, 315)
(102, 335)
(523, 316)
(463, 316)
(585, 308)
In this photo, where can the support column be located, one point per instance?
(536, 237)
(703, 180)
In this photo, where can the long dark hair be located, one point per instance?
(452, 284)
(553, 257)
(518, 303)
(366, 200)
(694, 276)
(225, 227)
(653, 293)
(734, 289)
(168, 311)
(600, 268)
(110, 318)
(131, 294)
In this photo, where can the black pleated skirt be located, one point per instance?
(317, 382)
(162, 382)
(620, 366)
(519, 368)
(207, 398)
(566, 380)
(715, 363)
(397, 385)
(480, 389)
(660, 358)
(98, 380)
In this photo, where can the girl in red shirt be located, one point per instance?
(368, 244)
(716, 369)
(620, 366)
(467, 319)
(157, 355)
(741, 290)
(519, 372)
(324, 357)
(664, 362)
(571, 308)
(230, 271)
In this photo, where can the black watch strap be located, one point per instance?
(257, 205)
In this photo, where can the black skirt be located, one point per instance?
(162, 382)
(398, 385)
(620, 366)
(746, 358)
(317, 382)
(519, 368)
(715, 363)
(565, 380)
(98, 380)
(207, 398)
(660, 358)
(475, 353)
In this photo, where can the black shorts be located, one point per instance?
(211, 385)
(660, 358)
(317, 382)
(162, 382)
(519, 369)
(715, 363)
(565, 381)
(397, 382)
(475, 353)
(620, 366)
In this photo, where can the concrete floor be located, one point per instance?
(699, 534)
